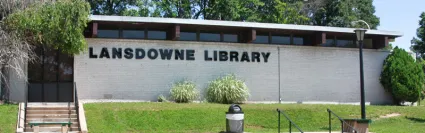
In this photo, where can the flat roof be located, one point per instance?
(237, 24)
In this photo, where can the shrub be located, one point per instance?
(184, 92)
(161, 98)
(402, 77)
(227, 90)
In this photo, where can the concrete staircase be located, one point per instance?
(54, 114)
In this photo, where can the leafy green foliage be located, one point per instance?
(340, 13)
(161, 98)
(184, 92)
(110, 7)
(227, 89)
(277, 11)
(59, 25)
(402, 76)
(419, 42)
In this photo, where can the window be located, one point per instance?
(133, 34)
(261, 39)
(230, 38)
(211, 37)
(187, 36)
(157, 35)
(281, 40)
(330, 42)
(108, 33)
(345, 43)
(298, 40)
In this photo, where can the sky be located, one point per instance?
(401, 16)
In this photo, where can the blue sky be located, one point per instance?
(400, 15)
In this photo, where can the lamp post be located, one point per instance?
(360, 36)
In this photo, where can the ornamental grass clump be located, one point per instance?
(184, 92)
(227, 90)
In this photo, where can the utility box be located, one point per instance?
(234, 119)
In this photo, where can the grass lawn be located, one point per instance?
(8, 118)
(172, 117)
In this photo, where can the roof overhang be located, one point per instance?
(129, 19)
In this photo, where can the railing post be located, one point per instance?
(278, 112)
(342, 126)
(330, 122)
(290, 127)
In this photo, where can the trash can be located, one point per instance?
(234, 119)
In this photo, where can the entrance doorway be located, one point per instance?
(50, 76)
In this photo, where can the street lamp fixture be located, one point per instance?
(360, 33)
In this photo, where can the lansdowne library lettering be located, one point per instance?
(179, 54)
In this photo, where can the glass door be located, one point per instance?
(50, 76)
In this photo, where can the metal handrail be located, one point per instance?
(341, 120)
(76, 104)
(26, 104)
(291, 123)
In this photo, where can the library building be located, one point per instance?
(140, 58)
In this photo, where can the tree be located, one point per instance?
(234, 10)
(176, 8)
(110, 7)
(402, 76)
(340, 13)
(58, 25)
(277, 11)
(419, 42)
(389, 47)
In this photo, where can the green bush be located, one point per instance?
(402, 77)
(227, 90)
(184, 92)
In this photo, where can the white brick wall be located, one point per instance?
(307, 73)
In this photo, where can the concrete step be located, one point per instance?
(50, 108)
(54, 125)
(51, 116)
(56, 132)
(47, 104)
(50, 112)
(49, 129)
(51, 120)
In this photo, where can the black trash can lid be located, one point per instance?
(234, 108)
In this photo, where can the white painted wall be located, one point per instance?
(306, 73)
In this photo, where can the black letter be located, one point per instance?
(91, 55)
(128, 53)
(215, 55)
(152, 57)
(245, 57)
(234, 55)
(104, 53)
(179, 54)
(116, 52)
(223, 56)
(190, 54)
(166, 54)
(140, 53)
(255, 56)
(266, 56)
(206, 56)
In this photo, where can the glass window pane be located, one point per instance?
(187, 36)
(159, 35)
(50, 65)
(212, 37)
(65, 67)
(345, 43)
(35, 67)
(330, 42)
(107, 33)
(230, 38)
(281, 40)
(298, 40)
(133, 34)
(261, 39)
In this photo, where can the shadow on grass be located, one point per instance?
(416, 119)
